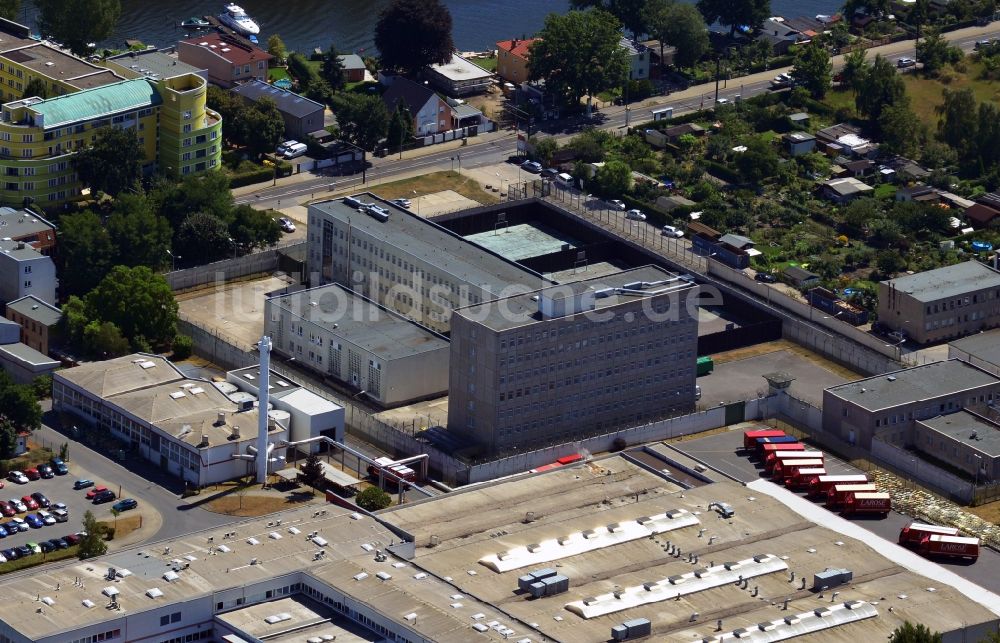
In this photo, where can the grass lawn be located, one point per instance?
(489, 64)
(436, 182)
(885, 191)
(38, 559)
(32, 458)
(277, 73)
(926, 94)
(124, 525)
(840, 99)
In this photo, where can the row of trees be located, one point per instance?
(256, 126)
(651, 16)
(19, 411)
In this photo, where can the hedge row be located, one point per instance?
(249, 178)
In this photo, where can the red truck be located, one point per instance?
(768, 449)
(774, 456)
(837, 494)
(950, 546)
(750, 437)
(800, 478)
(913, 533)
(821, 485)
(867, 502)
(385, 464)
(785, 468)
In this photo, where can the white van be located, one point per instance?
(565, 179)
(295, 151)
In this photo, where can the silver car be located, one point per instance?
(635, 215)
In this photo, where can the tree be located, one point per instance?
(18, 405)
(140, 236)
(613, 179)
(205, 236)
(9, 9)
(735, 13)
(86, 252)
(332, 70)
(208, 193)
(363, 119)
(543, 149)
(251, 228)
(902, 131)
(889, 262)
(758, 162)
(579, 53)
(681, 26)
(276, 47)
(263, 127)
(878, 88)
(988, 133)
(411, 34)
(311, 471)
(875, 8)
(112, 163)
(373, 499)
(855, 68)
(858, 214)
(35, 87)
(633, 14)
(92, 542)
(138, 301)
(813, 68)
(910, 633)
(959, 120)
(77, 23)
(934, 51)
(400, 125)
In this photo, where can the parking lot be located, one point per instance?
(59, 489)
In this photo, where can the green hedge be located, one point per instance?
(283, 169)
(721, 171)
(249, 178)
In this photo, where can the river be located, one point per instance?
(307, 24)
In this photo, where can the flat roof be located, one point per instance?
(128, 373)
(17, 224)
(459, 69)
(949, 281)
(287, 101)
(523, 241)
(35, 309)
(433, 244)
(961, 426)
(49, 62)
(19, 352)
(925, 382)
(152, 63)
(307, 402)
(523, 309)
(18, 250)
(360, 321)
(984, 346)
(296, 612)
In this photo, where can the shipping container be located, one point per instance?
(836, 495)
(705, 365)
(787, 446)
(913, 533)
(821, 485)
(784, 468)
(799, 478)
(774, 456)
(867, 502)
(950, 546)
(750, 437)
(785, 439)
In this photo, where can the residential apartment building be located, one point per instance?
(941, 304)
(25, 271)
(888, 405)
(967, 441)
(152, 63)
(347, 337)
(459, 77)
(567, 360)
(228, 59)
(638, 59)
(29, 227)
(300, 114)
(512, 59)
(39, 321)
(405, 263)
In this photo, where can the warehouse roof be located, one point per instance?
(981, 346)
(927, 382)
(113, 376)
(973, 429)
(949, 281)
(94, 103)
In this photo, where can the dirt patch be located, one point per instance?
(435, 182)
(124, 526)
(255, 505)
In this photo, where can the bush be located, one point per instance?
(183, 345)
(373, 499)
(284, 168)
(249, 178)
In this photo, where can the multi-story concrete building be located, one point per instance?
(967, 441)
(228, 59)
(888, 405)
(152, 63)
(29, 227)
(39, 321)
(575, 358)
(353, 340)
(941, 304)
(405, 263)
(981, 349)
(25, 271)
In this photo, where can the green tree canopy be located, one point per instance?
(879, 87)
(910, 633)
(373, 499)
(104, 340)
(400, 125)
(680, 25)
(363, 118)
(902, 131)
(92, 543)
(263, 128)
(858, 214)
(735, 13)
(140, 236)
(959, 120)
(35, 87)
(204, 236)
(138, 301)
(579, 53)
(86, 252)
(18, 404)
(855, 68)
(251, 229)
(813, 68)
(9, 9)
(411, 34)
(208, 192)
(875, 8)
(77, 23)
(613, 179)
(276, 47)
(311, 471)
(934, 51)
(758, 162)
(112, 163)
(332, 70)
(633, 14)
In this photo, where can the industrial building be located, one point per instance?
(888, 405)
(187, 427)
(966, 440)
(551, 364)
(349, 338)
(408, 264)
(981, 350)
(636, 552)
(941, 304)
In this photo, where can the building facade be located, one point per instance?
(568, 360)
(38, 319)
(512, 59)
(888, 405)
(25, 271)
(431, 113)
(967, 441)
(229, 60)
(300, 114)
(941, 304)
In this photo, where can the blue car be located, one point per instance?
(3, 532)
(34, 521)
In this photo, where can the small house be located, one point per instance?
(674, 201)
(981, 216)
(800, 143)
(354, 67)
(845, 190)
(800, 277)
(918, 193)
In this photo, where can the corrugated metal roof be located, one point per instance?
(97, 102)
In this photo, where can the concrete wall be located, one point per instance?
(919, 469)
(975, 360)
(228, 269)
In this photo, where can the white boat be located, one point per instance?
(236, 19)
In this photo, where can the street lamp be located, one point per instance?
(173, 260)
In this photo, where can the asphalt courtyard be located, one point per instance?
(743, 378)
(724, 453)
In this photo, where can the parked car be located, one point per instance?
(765, 278)
(59, 467)
(18, 505)
(3, 531)
(30, 503)
(34, 521)
(671, 231)
(61, 515)
(24, 551)
(96, 490)
(83, 484)
(71, 539)
(59, 543)
(10, 554)
(3, 559)
(19, 523)
(295, 151)
(46, 546)
(18, 477)
(283, 147)
(46, 517)
(40, 498)
(125, 504)
(10, 527)
(721, 101)
(286, 224)
(635, 215)
(7, 510)
(903, 63)
(616, 204)
(104, 496)
(403, 203)
(532, 166)
(45, 470)
(32, 474)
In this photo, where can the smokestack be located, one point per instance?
(262, 396)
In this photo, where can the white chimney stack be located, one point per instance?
(262, 396)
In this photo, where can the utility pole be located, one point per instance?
(718, 67)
